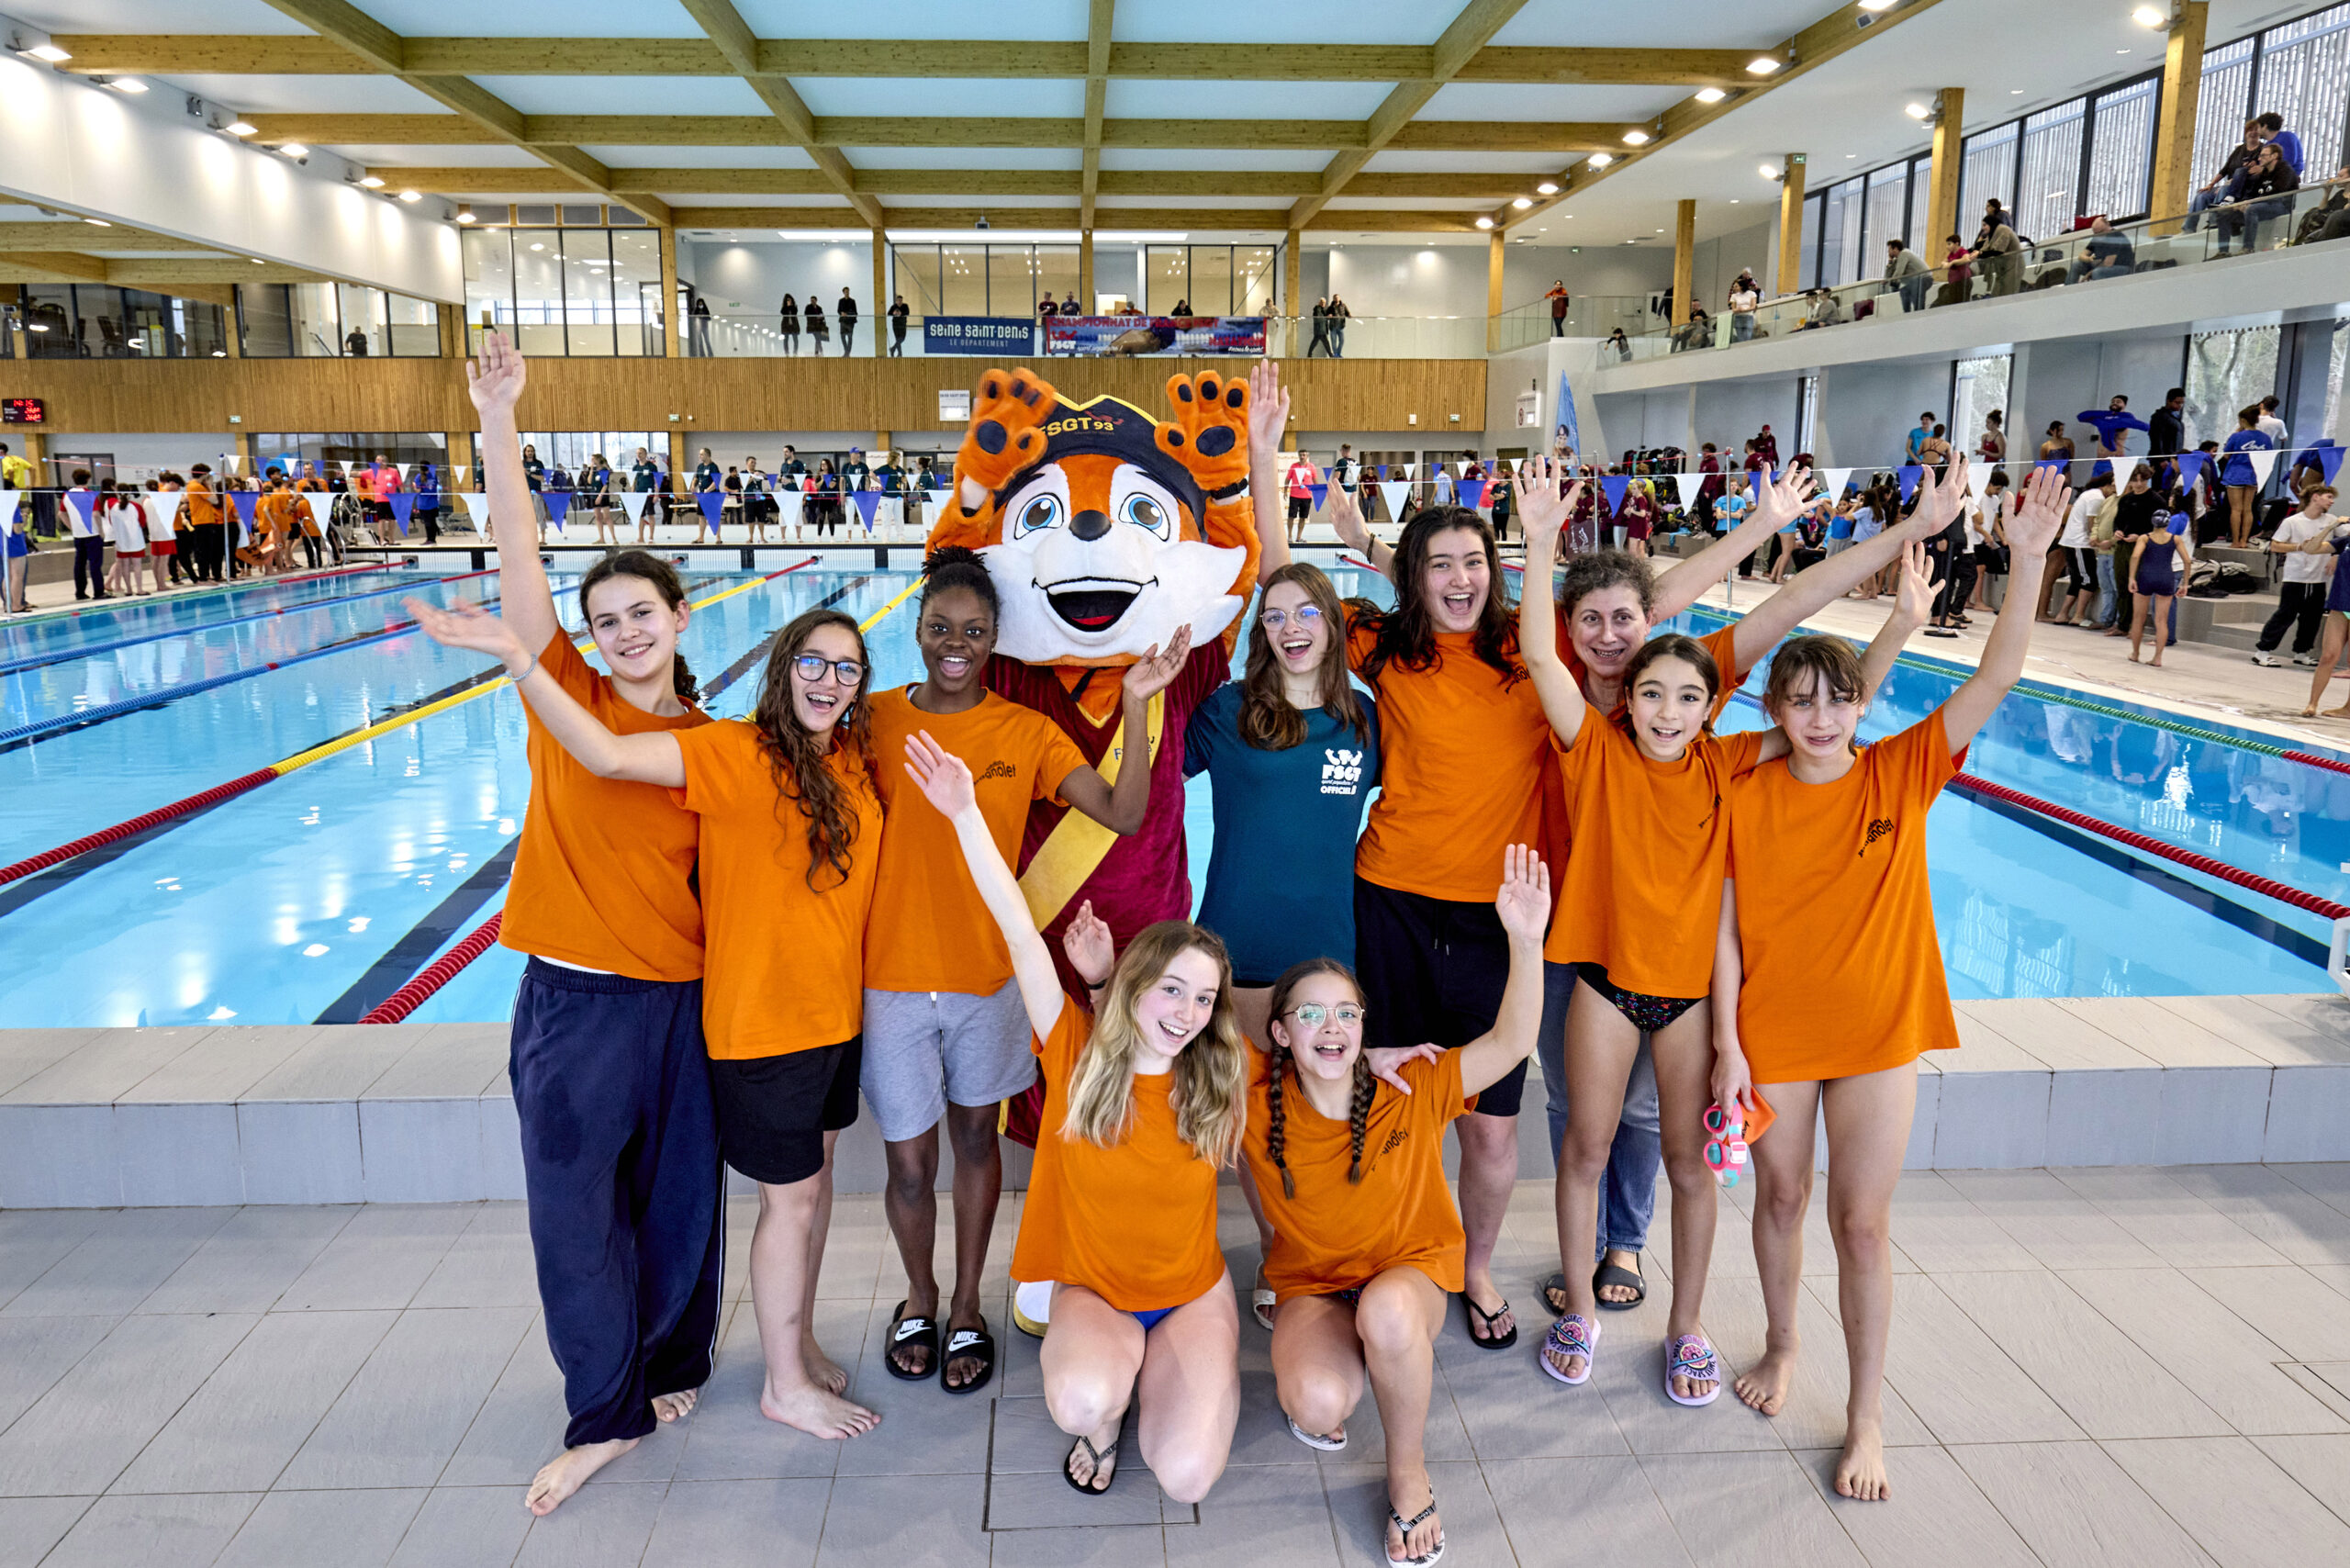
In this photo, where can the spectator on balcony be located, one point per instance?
(1958, 277)
(900, 313)
(2167, 432)
(2216, 191)
(2000, 253)
(1068, 303)
(1906, 273)
(1182, 307)
(1744, 295)
(818, 333)
(2329, 220)
(1557, 296)
(789, 313)
(2287, 145)
(1697, 332)
(847, 311)
(1321, 327)
(1339, 315)
(699, 316)
(1045, 308)
(2263, 193)
(354, 343)
(1617, 344)
(2107, 253)
(1827, 310)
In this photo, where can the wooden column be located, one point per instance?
(16, 292)
(1493, 243)
(876, 316)
(669, 297)
(1292, 286)
(1085, 271)
(461, 454)
(1941, 191)
(2174, 181)
(1790, 227)
(453, 331)
(1684, 259)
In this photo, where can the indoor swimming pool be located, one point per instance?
(311, 897)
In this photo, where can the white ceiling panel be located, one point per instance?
(528, 18)
(1417, 204)
(927, 96)
(1061, 19)
(1534, 164)
(1529, 101)
(780, 204)
(1146, 97)
(963, 157)
(414, 156)
(1662, 23)
(1269, 206)
(1281, 160)
(308, 95)
(625, 95)
(1302, 23)
(153, 16)
(700, 157)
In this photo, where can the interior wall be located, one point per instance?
(1588, 270)
(1407, 280)
(1729, 412)
(1715, 263)
(1866, 411)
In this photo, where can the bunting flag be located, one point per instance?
(1978, 479)
(244, 501)
(1688, 484)
(1834, 480)
(80, 504)
(403, 503)
(457, 472)
(1318, 492)
(1613, 486)
(2048, 462)
(867, 503)
(2327, 453)
(712, 504)
(633, 502)
(1411, 471)
(321, 505)
(2190, 467)
(558, 502)
(1472, 493)
(401, 469)
(2264, 464)
(937, 494)
(1910, 473)
(1393, 492)
(231, 459)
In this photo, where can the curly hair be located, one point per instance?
(955, 567)
(1594, 570)
(1284, 1062)
(797, 756)
(1407, 634)
(1269, 720)
(1211, 1073)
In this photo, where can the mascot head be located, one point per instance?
(1103, 528)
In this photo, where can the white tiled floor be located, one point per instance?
(2133, 1366)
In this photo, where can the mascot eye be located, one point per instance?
(1045, 512)
(1143, 512)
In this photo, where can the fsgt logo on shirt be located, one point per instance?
(1341, 771)
(999, 770)
(1880, 827)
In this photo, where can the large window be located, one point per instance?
(1808, 263)
(2048, 178)
(98, 322)
(983, 280)
(1840, 239)
(1987, 174)
(1888, 215)
(2299, 69)
(2224, 372)
(331, 320)
(2222, 103)
(2122, 149)
(341, 447)
(585, 292)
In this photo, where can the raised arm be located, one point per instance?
(1776, 506)
(1816, 587)
(2032, 518)
(1542, 512)
(1121, 807)
(495, 382)
(946, 783)
(1268, 422)
(1524, 903)
(649, 759)
(1913, 601)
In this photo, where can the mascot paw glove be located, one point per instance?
(1209, 435)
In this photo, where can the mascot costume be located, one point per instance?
(1106, 529)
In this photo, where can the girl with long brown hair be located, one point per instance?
(789, 837)
(1367, 1243)
(1145, 1097)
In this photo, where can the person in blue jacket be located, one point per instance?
(2238, 473)
(2113, 425)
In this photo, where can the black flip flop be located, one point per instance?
(1098, 1456)
(1554, 1290)
(976, 1343)
(917, 1331)
(1480, 1314)
(1617, 1274)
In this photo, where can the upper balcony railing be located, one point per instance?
(1055, 337)
(2308, 216)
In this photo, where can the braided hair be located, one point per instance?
(1284, 1062)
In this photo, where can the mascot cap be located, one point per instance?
(1111, 427)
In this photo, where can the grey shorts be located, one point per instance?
(923, 1050)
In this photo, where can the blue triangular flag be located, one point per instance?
(712, 502)
(1472, 493)
(1317, 492)
(1910, 473)
(2190, 467)
(244, 501)
(1613, 486)
(867, 503)
(558, 502)
(2326, 455)
(404, 502)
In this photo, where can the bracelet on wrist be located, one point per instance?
(518, 679)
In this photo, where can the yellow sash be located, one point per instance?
(1073, 851)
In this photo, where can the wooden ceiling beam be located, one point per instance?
(161, 275)
(724, 24)
(277, 55)
(883, 130)
(1098, 17)
(88, 237)
(1268, 219)
(468, 180)
(51, 266)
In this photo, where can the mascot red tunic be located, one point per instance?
(1105, 530)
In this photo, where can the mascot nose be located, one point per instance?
(1089, 525)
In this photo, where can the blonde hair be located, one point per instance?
(1211, 1073)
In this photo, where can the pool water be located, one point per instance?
(311, 897)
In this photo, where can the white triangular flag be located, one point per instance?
(321, 505)
(1832, 482)
(1393, 493)
(231, 459)
(1688, 484)
(402, 469)
(477, 509)
(2264, 464)
(633, 502)
(1411, 470)
(1978, 479)
(457, 472)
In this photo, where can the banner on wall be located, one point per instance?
(1565, 437)
(1154, 334)
(977, 334)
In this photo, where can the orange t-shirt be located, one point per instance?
(1133, 1223)
(1462, 750)
(1643, 889)
(786, 964)
(203, 507)
(1835, 919)
(1333, 1236)
(603, 874)
(930, 929)
(1721, 644)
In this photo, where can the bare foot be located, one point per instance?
(569, 1471)
(2341, 712)
(1860, 1469)
(817, 1412)
(1405, 1494)
(822, 1370)
(1764, 1385)
(676, 1406)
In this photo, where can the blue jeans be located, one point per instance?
(1628, 1192)
(2105, 589)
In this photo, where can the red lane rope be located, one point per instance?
(2316, 761)
(2281, 891)
(104, 836)
(440, 972)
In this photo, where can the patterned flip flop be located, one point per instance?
(1692, 1356)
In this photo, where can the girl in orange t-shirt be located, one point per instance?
(1365, 1244)
(945, 1038)
(1144, 1101)
(1829, 979)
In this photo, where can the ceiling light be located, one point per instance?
(259, 262)
(241, 128)
(1879, 4)
(2012, 93)
(1768, 171)
(127, 84)
(373, 181)
(48, 52)
(1547, 187)
(1522, 203)
(411, 195)
(294, 150)
(465, 215)
(538, 247)
(1760, 66)
(1711, 95)
(43, 327)
(1733, 201)
(1601, 160)
(1636, 138)
(1482, 223)
(2151, 16)
(97, 223)
(1916, 111)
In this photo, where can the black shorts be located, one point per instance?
(1433, 971)
(1300, 508)
(773, 1112)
